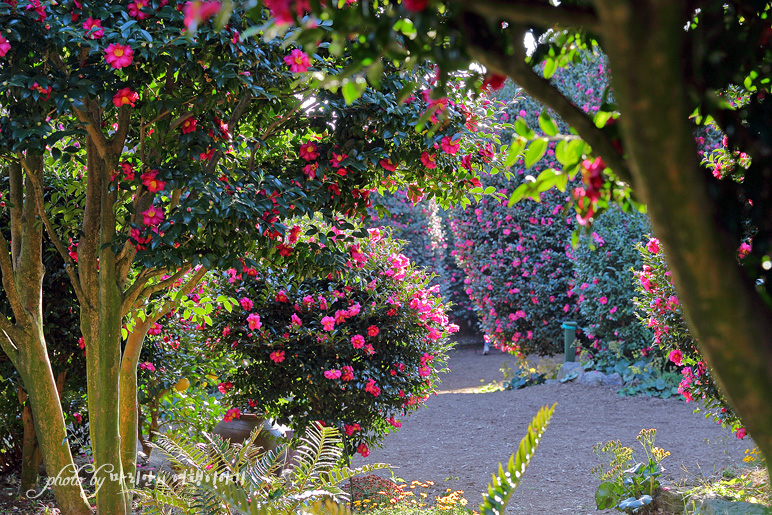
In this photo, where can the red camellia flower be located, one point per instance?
(5, 46)
(189, 125)
(125, 96)
(135, 9)
(449, 146)
(297, 61)
(277, 356)
(231, 414)
(152, 184)
(119, 56)
(93, 28)
(386, 164)
(309, 151)
(45, 93)
(197, 12)
(415, 6)
(494, 82)
(363, 450)
(429, 160)
(152, 216)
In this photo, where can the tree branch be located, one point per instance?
(16, 186)
(9, 283)
(136, 289)
(537, 13)
(69, 264)
(185, 290)
(515, 66)
(95, 131)
(119, 138)
(238, 111)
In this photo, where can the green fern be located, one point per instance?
(503, 485)
(242, 480)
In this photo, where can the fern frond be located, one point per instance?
(339, 475)
(504, 484)
(327, 507)
(182, 452)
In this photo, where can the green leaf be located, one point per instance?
(549, 68)
(521, 128)
(503, 485)
(547, 124)
(535, 151)
(515, 148)
(605, 496)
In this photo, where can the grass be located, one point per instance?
(374, 495)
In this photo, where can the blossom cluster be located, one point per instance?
(355, 349)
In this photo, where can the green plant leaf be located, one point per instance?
(535, 151)
(503, 485)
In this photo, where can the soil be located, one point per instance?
(462, 434)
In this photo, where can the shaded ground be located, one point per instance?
(459, 438)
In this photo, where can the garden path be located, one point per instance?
(461, 435)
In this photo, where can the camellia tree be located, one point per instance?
(166, 154)
(672, 65)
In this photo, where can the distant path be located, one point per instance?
(459, 438)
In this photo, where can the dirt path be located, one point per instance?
(459, 438)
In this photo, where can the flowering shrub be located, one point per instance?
(518, 268)
(660, 310)
(424, 228)
(604, 264)
(355, 349)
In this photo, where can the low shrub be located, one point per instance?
(605, 261)
(660, 310)
(355, 349)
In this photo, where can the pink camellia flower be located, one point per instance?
(415, 6)
(429, 160)
(394, 422)
(295, 320)
(308, 301)
(449, 147)
(119, 56)
(125, 96)
(135, 9)
(740, 433)
(351, 429)
(363, 450)
(676, 356)
(309, 151)
(93, 28)
(246, 303)
(328, 323)
(232, 414)
(332, 374)
(153, 216)
(297, 61)
(358, 341)
(150, 181)
(277, 356)
(603, 300)
(494, 82)
(653, 246)
(347, 373)
(281, 296)
(224, 388)
(5, 46)
(372, 331)
(147, 366)
(78, 417)
(197, 12)
(253, 321)
(743, 250)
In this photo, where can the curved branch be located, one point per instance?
(538, 13)
(95, 131)
(147, 291)
(541, 89)
(9, 284)
(69, 264)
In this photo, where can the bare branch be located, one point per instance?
(69, 264)
(147, 291)
(238, 111)
(119, 138)
(137, 286)
(16, 186)
(185, 290)
(537, 13)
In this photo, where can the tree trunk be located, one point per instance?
(732, 323)
(128, 401)
(50, 428)
(30, 454)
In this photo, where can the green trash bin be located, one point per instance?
(569, 336)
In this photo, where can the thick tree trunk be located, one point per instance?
(103, 356)
(732, 323)
(50, 428)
